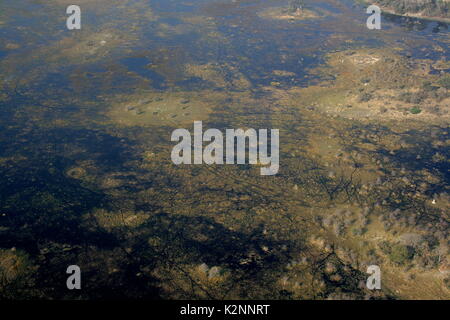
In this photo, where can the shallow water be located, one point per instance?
(64, 156)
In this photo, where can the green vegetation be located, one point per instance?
(401, 254)
(415, 110)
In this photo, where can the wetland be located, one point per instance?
(86, 118)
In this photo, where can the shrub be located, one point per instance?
(417, 97)
(365, 97)
(415, 110)
(445, 82)
(401, 254)
(385, 247)
(428, 86)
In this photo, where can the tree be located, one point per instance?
(295, 5)
(401, 254)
